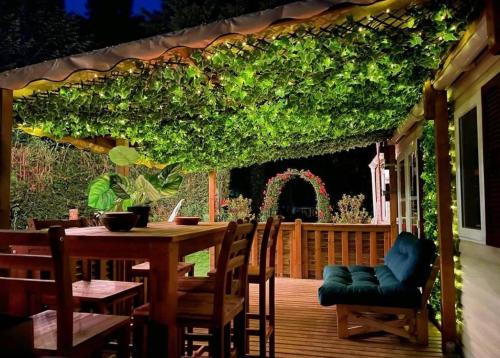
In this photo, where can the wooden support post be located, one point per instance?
(493, 25)
(296, 251)
(390, 162)
(445, 221)
(212, 203)
(119, 169)
(6, 102)
(212, 190)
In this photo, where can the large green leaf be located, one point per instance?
(123, 156)
(101, 196)
(168, 180)
(145, 192)
(121, 185)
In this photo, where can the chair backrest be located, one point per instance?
(38, 224)
(232, 265)
(410, 259)
(60, 287)
(267, 251)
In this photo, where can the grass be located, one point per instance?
(201, 261)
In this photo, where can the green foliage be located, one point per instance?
(351, 210)
(117, 192)
(48, 179)
(233, 209)
(429, 204)
(275, 187)
(255, 101)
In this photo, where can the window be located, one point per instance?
(409, 191)
(469, 169)
(470, 180)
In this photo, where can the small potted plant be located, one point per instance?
(116, 192)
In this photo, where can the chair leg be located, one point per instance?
(422, 327)
(227, 340)
(342, 318)
(217, 343)
(139, 338)
(123, 340)
(272, 316)
(239, 334)
(262, 319)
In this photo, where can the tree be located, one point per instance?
(37, 30)
(111, 22)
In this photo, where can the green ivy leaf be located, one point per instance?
(123, 156)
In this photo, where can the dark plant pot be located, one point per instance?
(142, 212)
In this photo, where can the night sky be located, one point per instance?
(78, 6)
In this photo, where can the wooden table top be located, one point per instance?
(164, 231)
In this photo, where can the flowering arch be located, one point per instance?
(275, 187)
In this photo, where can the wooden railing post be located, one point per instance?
(212, 203)
(296, 251)
(6, 102)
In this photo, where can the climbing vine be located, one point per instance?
(257, 100)
(275, 187)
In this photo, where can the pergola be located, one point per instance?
(305, 78)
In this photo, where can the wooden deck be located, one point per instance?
(306, 329)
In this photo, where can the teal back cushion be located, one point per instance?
(410, 259)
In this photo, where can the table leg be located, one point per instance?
(163, 311)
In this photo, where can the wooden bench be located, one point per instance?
(391, 297)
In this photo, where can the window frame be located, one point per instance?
(469, 234)
(404, 161)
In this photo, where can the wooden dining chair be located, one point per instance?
(97, 295)
(260, 274)
(217, 309)
(60, 332)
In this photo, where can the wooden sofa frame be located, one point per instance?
(409, 323)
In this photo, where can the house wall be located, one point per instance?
(480, 263)
(480, 299)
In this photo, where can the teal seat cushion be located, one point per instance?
(363, 285)
(394, 284)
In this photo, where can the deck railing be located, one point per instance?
(303, 249)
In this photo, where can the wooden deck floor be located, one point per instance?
(306, 329)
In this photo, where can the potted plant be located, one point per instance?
(116, 192)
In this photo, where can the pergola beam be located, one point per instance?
(493, 25)
(6, 102)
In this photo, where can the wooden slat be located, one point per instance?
(359, 247)
(373, 249)
(6, 102)
(345, 227)
(279, 253)
(34, 262)
(23, 238)
(331, 248)
(295, 250)
(387, 243)
(345, 248)
(306, 329)
(318, 269)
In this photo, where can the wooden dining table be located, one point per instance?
(162, 244)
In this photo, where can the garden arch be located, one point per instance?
(275, 186)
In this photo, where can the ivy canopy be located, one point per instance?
(255, 100)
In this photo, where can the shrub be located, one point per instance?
(236, 208)
(351, 210)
